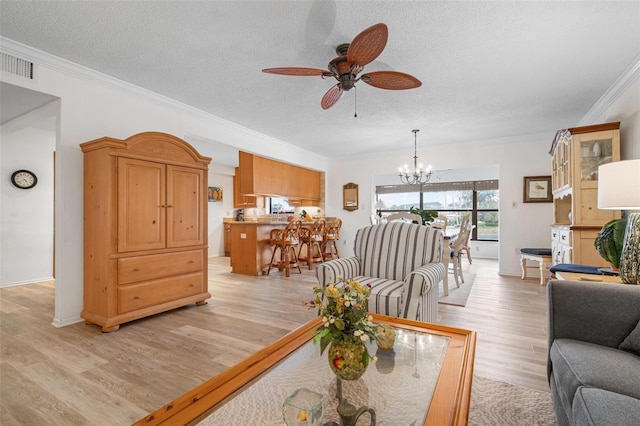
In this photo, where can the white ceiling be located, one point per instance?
(488, 69)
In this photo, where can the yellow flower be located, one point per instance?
(332, 291)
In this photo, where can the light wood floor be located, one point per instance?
(77, 375)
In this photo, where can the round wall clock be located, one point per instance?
(24, 179)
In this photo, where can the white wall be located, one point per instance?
(220, 176)
(26, 215)
(621, 102)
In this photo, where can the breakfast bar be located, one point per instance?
(250, 245)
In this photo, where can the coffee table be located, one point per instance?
(572, 276)
(426, 380)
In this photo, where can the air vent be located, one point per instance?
(17, 66)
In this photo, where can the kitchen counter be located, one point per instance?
(251, 246)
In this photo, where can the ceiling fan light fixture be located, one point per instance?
(352, 57)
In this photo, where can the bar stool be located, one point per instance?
(312, 237)
(286, 241)
(331, 235)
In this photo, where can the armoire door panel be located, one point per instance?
(141, 205)
(185, 206)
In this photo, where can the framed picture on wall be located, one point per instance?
(537, 189)
(214, 194)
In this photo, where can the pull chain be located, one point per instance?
(355, 101)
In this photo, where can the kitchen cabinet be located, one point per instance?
(262, 176)
(243, 201)
(576, 154)
(145, 228)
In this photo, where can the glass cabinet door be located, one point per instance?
(594, 153)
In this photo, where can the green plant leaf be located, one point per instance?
(324, 342)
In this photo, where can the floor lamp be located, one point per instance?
(619, 189)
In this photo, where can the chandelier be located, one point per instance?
(419, 175)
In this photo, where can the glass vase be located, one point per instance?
(348, 358)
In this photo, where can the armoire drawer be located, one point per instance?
(143, 268)
(150, 293)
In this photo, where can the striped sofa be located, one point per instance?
(403, 264)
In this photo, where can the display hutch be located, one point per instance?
(576, 154)
(145, 227)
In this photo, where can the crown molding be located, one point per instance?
(614, 92)
(41, 58)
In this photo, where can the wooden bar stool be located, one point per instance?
(286, 241)
(312, 237)
(331, 235)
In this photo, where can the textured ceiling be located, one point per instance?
(488, 69)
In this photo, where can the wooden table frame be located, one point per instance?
(572, 276)
(449, 405)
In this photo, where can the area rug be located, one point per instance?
(496, 403)
(457, 295)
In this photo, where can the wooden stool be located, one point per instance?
(331, 235)
(540, 255)
(312, 237)
(286, 241)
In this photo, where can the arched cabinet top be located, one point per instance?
(150, 145)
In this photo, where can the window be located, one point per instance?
(453, 199)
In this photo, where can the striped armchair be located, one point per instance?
(403, 264)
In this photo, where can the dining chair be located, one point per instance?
(405, 217)
(312, 237)
(455, 250)
(465, 249)
(440, 222)
(286, 241)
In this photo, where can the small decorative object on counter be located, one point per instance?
(346, 326)
(385, 337)
(303, 407)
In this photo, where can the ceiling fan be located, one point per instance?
(364, 48)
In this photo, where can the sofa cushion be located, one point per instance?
(593, 406)
(536, 251)
(386, 295)
(632, 342)
(577, 363)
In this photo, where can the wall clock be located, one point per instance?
(24, 179)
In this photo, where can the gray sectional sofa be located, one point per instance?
(594, 353)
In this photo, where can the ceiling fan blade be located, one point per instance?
(300, 71)
(391, 80)
(368, 45)
(331, 97)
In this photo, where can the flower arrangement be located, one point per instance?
(343, 307)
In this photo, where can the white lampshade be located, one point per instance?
(619, 185)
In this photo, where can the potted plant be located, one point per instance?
(426, 215)
(610, 240)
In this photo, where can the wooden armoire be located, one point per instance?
(145, 227)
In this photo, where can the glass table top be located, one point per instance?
(399, 386)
